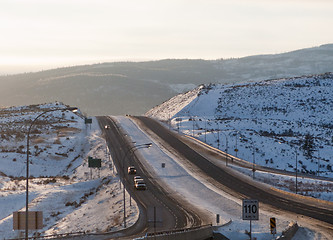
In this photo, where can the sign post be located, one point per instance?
(250, 211)
(179, 120)
(94, 163)
(88, 120)
(35, 220)
(272, 222)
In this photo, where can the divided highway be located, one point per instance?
(318, 211)
(171, 215)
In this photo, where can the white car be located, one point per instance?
(140, 186)
(139, 181)
(136, 178)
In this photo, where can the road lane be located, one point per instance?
(235, 184)
(174, 216)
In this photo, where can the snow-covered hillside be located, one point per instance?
(73, 197)
(274, 123)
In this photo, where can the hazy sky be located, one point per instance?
(39, 34)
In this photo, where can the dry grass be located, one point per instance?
(57, 141)
(37, 140)
(117, 220)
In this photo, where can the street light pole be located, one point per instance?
(226, 147)
(27, 167)
(318, 172)
(254, 160)
(296, 170)
(193, 123)
(205, 131)
(218, 135)
(130, 150)
(236, 149)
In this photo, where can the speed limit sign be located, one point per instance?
(250, 209)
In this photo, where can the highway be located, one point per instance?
(319, 212)
(169, 214)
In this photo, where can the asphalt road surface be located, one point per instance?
(158, 211)
(243, 189)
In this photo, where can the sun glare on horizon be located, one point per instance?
(60, 33)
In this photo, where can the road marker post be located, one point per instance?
(272, 222)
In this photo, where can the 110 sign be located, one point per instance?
(250, 209)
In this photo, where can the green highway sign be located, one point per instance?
(94, 162)
(88, 120)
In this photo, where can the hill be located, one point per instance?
(73, 197)
(135, 87)
(283, 124)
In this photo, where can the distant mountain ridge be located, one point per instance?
(135, 87)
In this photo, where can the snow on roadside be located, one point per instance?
(73, 197)
(207, 197)
(278, 121)
(101, 208)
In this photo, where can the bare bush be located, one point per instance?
(57, 141)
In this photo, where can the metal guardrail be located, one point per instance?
(193, 233)
(54, 236)
(243, 163)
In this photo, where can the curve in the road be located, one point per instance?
(231, 181)
(175, 215)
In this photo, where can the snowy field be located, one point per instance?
(282, 124)
(73, 197)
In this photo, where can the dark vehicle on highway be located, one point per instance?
(131, 170)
